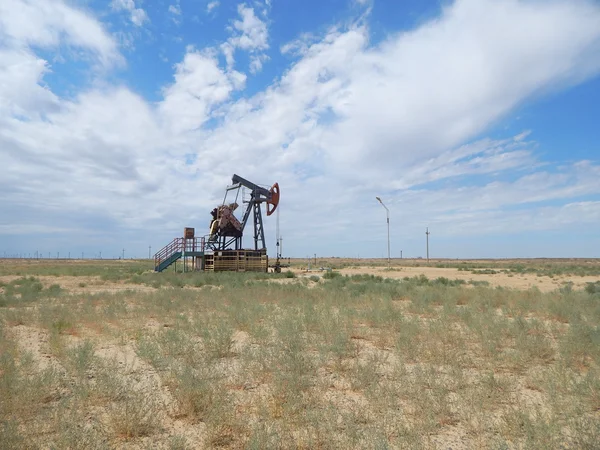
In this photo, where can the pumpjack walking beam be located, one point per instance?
(258, 196)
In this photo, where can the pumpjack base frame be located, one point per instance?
(237, 261)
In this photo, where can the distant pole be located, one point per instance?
(387, 214)
(427, 233)
(400, 254)
(315, 260)
(123, 253)
(100, 255)
(149, 252)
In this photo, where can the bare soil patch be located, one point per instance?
(499, 279)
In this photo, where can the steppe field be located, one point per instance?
(443, 355)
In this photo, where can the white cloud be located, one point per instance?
(256, 62)
(249, 34)
(175, 11)
(253, 34)
(346, 121)
(138, 15)
(55, 27)
(50, 23)
(199, 86)
(22, 93)
(212, 6)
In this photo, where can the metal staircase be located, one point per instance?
(178, 248)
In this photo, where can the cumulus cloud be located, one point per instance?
(200, 84)
(137, 15)
(48, 23)
(249, 34)
(347, 121)
(212, 6)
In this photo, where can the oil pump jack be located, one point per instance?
(222, 249)
(226, 231)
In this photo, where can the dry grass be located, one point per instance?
(235, 361)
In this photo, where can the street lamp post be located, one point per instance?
(387, 213)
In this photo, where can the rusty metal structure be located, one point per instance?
(222, 249)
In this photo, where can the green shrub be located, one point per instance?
(593, 288)
(331, 274)
(54, 291)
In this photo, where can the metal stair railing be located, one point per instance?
(178, 245)
(167, 251)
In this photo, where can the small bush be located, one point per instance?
(53, 291)
(366, 277)
(137, 414)
(593, 288)
(330, 275)
(289, 274)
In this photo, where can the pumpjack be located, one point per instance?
(222, 249)
(226, 231)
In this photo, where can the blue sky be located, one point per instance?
(122, 121)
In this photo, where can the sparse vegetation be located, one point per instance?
(273, 361)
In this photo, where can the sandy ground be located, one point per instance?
(84, 284)
(514, 281)
(147, 380)
(94, 285)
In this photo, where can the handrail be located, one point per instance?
(178, 245)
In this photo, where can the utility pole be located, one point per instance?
(387, 213)
(400, 254)
(427, 233)
(149, 252)
(123, 253)
(100, 255)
